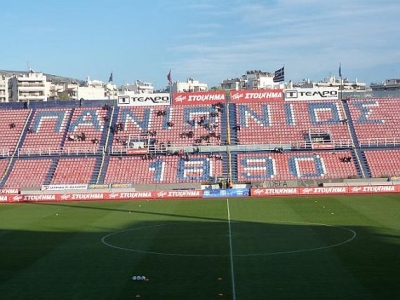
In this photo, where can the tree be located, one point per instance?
(64, 96)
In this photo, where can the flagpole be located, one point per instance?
(170, 85)
(170, 92)
(341, 82)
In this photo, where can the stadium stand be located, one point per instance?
(39, 145)
(290, 123)
(376, 121)
(3, 165)
(87, 128)
(47, 130)
(176, 126)
(295, 165)
(76, 170)
(28, 172)
(383, 163)
(12, 125)
(163, 169)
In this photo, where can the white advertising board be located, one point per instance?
(311, 94)
(144, 99)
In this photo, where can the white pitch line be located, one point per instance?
(231, 251)
(354, 234)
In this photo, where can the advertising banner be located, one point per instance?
(311, 94)
(274, 191)
(36, 197)
(155, 99)
(334, 190)
(324, 146)
(299, 191)
(178, 194)
(9, 191)
(217, 193)
(208, 193)
(130, 195)
(154, 195)
(251, 96)
(374, 189)
(122, 185)
(61, 187)
(98, 186)
(199, 98)
(331, 190)
(136, 151)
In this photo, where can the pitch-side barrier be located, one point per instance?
(193, 194)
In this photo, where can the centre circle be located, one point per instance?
(213, 239)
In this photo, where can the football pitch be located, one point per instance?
(336, 247)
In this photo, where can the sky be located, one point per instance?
(207, 40)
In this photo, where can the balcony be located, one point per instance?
(31, 97)
(31, 88)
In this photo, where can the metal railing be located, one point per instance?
(57, 152)
(379, 142)
(6, 152)
(121, 149)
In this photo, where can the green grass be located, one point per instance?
(277, 248)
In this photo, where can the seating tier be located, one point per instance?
(28, 173)
(178, 126)
(91, 122)
(74, 170)
(383, 163)
(376, 121)
(288, 123)
(294, 166)
(165, 169)
(47, 129)
(12, 124)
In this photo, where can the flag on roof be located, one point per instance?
(169, 77)
(279, 75)
(111, 78)
(340, 70)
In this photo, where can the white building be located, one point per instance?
(111, 91)
(3, 89)
(260, 80)
(234, 84)
(31, 86)
(55, 90)
(71, 89)
(190, 85)
(92, 90)
(332, 81)
(90, 93)
(139, 87)
(16, 86)
(252, 80)
(387, 85)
